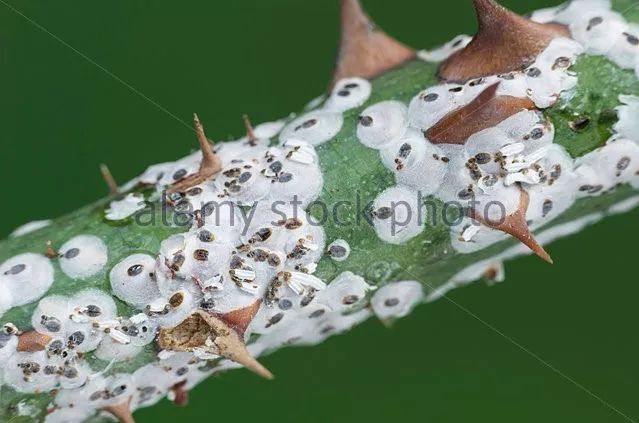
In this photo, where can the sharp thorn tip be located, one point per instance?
(109, 180)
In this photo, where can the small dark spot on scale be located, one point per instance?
(591, 189)
(536, 133)
(533, 72)
(275, 319)
(307, 124)
(93, 310)
(176, 299)
(561, 62)
(404, 150)
(430, 97)
(179, 174)
(76, 338)
(72, 253)
(276, 166)
(201, 254)
(623, 163)
(350, 299)
(546, 208)
(327, 329)
(365, 120)
(337, 251)
(206, 236)
(316, 313)
(18, 268)
(482, 158)
(285, 304)
(175, 197)
(207, 304)
(194, 191)
(285, 177)
(383, 213)
(244, 177)
(135, 270)
(594, 22)
(464, 194)
(633, 40)
(391, 302)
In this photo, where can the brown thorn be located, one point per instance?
(490, 273)
(210, 161)
(388, 323)
(108, 178)
(484, 111)
(181, 395)
(515, 224)
(50, 251)
(32, 341)
(504, 42)
(240, 319)
(365, 50)
(209, 166)
(250, 134)
(234, 349)
(121, 411)
(205, 330)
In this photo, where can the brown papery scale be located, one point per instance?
(485, 111)
(365, 50)
(121, 411)
(504, 42)
(32, 341)
(250, 134)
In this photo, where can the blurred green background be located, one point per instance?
(60, 116)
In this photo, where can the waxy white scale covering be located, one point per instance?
(396, 299)
(30, 227)
(83, 256)
(347, 94)
(24, 278)
(132, 280)
(126, 207)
